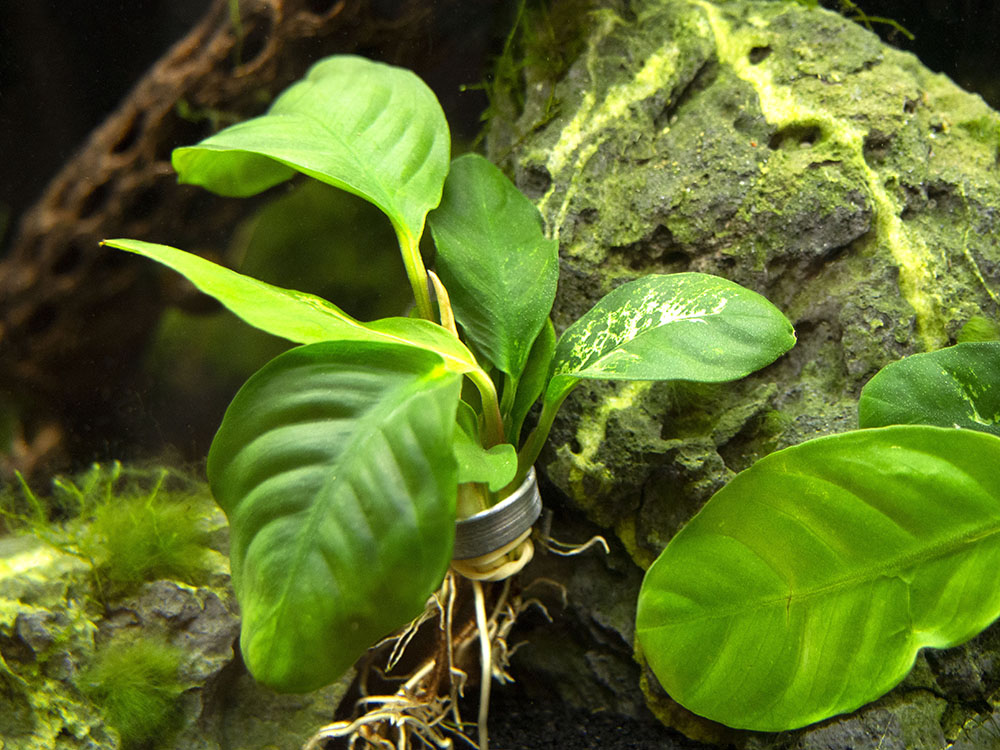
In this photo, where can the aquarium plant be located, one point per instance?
(344, 463)
(806, 586)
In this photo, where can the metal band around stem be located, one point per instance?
(494, 527)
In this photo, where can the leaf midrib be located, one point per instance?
(349, 455)
(385, 200)
(891, 569)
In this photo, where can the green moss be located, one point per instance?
(22, 507)
(978, 328)
(984, 129)
(545, 37)
(552, 34)
(146, 538)
(134, 684)
(131, 524)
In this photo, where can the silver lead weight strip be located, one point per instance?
(494, 527)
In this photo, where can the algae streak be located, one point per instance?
(783, 109)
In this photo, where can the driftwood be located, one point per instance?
(74, 317)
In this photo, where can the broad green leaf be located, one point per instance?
(494, 467)
(805, 587)
(499, 269)
(299, 317)
(685, 326)
(372, 129)
(954, 387)
(334, 465)
(532, 382)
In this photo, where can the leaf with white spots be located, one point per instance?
(685, 326)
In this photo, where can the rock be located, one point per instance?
(789, 150)
(55, 623)
(46, 632)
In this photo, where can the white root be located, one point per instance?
(423, 712)
(486, 665)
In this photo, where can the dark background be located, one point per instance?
(64, 66)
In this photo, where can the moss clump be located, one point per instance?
(135, 686)
(544, 39)
(978, 328)
(145, 538)
(132, 525)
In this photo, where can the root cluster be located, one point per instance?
(477, 605)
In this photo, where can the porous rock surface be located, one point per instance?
(791, 151)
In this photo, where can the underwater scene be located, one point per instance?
(511, 374)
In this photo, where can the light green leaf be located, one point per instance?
(334, 465)
(685, 326)
(954, 387)
(303, 318)
(372, 129)
(299, 317)
(500, 270)
(806, 586)
(494, 467)
(426, 335)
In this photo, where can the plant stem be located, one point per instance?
(409, 246)
(445, 311)
(491, 407)
(509, 391)
(532, 447)
(472, 498)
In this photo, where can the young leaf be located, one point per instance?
(299, 317)
(685, 326)
(500, 270)
(334, 465)
(494, 467)
(806, 586)
(954, 387)
(372, 129)
(529, 388)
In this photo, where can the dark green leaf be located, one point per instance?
(334, 464)
(372, 129)
(685, 326)
(500, 270)
(806, 586)
(954, 387)
(532, 381)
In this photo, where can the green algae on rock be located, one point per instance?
(80, 650)
(784, 148)
(787, 149)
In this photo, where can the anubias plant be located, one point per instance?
(344, 463)
(806, 586)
